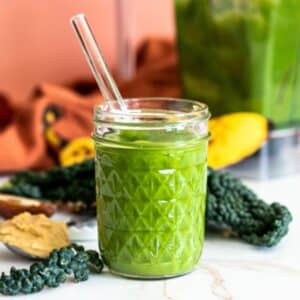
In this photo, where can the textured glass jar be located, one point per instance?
(151, 185)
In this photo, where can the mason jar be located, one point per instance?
(151, 168)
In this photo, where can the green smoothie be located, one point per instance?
(151, 191)
(242, 55)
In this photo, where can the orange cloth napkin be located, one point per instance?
(22, 141)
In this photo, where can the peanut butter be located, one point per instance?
(35, 234)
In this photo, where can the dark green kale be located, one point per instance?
(231, 205)
(73, 261)
(67, 184)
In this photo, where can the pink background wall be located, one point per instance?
(37, 43)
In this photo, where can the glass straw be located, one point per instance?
(104, 79)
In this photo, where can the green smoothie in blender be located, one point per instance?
(242, 55)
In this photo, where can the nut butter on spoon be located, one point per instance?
(35, 235)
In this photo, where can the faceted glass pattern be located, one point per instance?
(151, 208)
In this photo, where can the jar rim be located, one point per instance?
(182, 110)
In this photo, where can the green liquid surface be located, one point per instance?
(151, 203)
(242, 55)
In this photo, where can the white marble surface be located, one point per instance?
(228, 269)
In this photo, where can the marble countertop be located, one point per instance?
(228, 269)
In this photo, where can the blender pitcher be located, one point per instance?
(242, 55)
